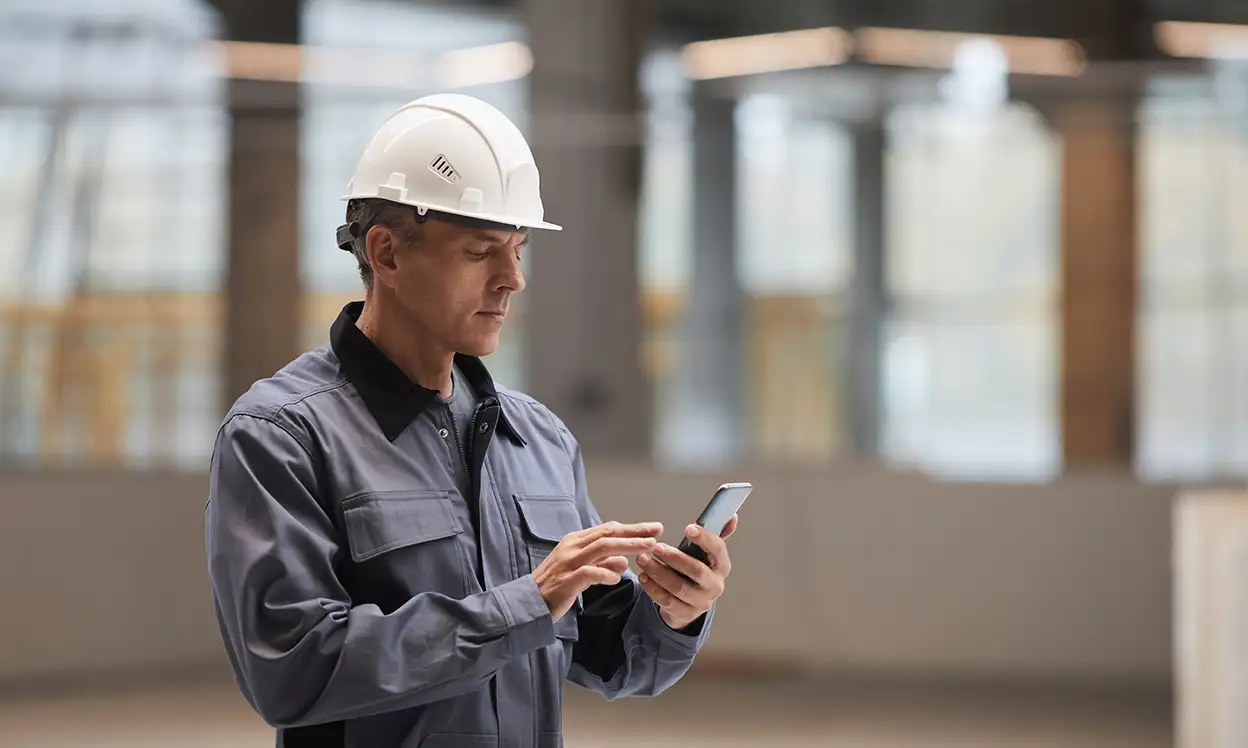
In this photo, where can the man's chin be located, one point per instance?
(480, 347)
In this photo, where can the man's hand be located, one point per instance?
(588, 557)
(681, 602)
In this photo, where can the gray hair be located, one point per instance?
(370, 212)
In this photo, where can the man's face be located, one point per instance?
(456, 283)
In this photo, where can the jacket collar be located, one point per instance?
(391, 397)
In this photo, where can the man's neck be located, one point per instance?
(428, 367)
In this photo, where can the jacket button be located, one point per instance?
(443, 433)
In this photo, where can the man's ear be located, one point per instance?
(380, 246)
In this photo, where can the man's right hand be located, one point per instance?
(588, 557)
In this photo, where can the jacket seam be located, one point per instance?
(269, 412)
(270, 419)
(509, 621)
(559, 429)
(300, 398)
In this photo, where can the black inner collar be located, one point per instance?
(393, 399)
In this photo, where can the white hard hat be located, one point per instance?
(456, 154)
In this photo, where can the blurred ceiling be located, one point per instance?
(883, 59)
(1107, 29)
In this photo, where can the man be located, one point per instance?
(401, 551)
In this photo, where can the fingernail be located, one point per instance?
(694, 531)
(644, 558)
(643, 578)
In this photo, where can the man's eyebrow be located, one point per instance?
(491, 238)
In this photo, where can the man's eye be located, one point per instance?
(479, 255)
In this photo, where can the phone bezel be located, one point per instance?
(724, 490)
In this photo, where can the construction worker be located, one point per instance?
(401, 551)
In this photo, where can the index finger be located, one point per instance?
(714, 546)
(620, 530)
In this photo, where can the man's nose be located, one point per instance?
(511, 276)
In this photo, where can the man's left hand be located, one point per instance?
(681, 602)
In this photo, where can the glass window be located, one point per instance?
(794, 206)
(666, 213)
(792, 260)
(111, 179)
(795, 264)
(1193, 350)
(970, 364)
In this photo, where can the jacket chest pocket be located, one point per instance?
(547, 519)
(406, 542)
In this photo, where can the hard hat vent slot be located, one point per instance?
(443, 168)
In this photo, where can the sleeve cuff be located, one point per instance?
(689, 642)
(529, 622)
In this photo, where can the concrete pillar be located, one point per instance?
(869, 300)
(1098, 279)
(262, 294)
(584, 326)
(709, 424)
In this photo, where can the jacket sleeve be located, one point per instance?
(624, 647)
(301, 652)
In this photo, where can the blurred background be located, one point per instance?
(960, 286)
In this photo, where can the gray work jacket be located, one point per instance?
(365, 601)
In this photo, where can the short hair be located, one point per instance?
(370, 212)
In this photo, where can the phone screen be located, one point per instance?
(726, 502)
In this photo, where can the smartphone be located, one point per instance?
(726, 502)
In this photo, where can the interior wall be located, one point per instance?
(862, 569)
(844, 568)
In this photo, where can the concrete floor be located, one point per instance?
(696, 712)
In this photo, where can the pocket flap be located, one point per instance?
(381, 522)
(549, 518)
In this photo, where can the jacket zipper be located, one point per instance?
(464, 441)
(468, 442)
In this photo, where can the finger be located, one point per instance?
(606, 547)
(715, 547)
(587, 576)
(618, 564)
(619, 530)
(729, 528)
(656, 593)
(669, 581)
(682, 562)
(663, 598)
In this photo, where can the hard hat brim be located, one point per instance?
(503, 222)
